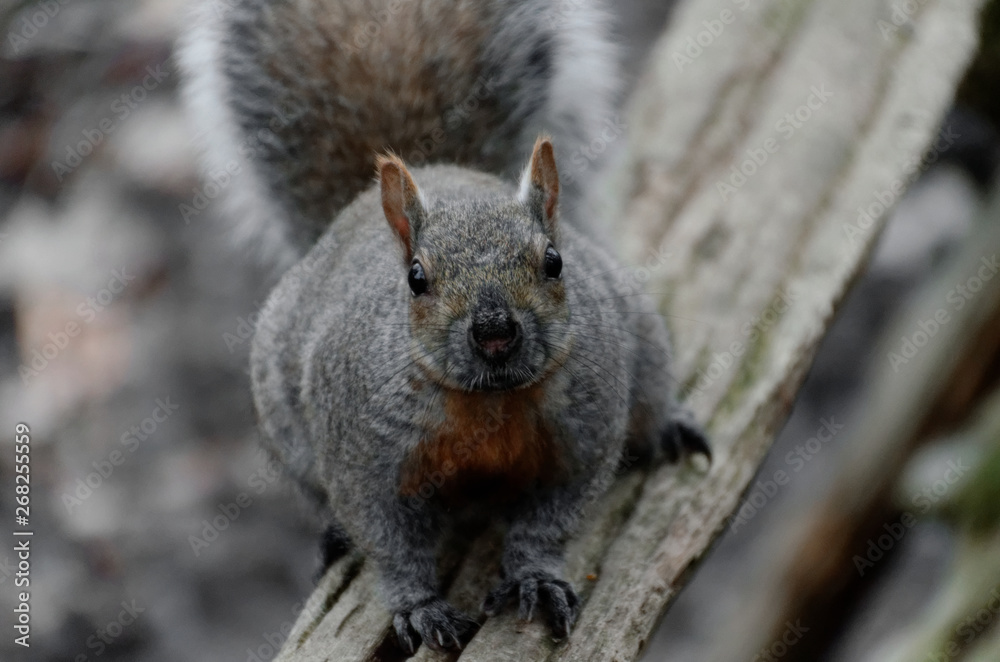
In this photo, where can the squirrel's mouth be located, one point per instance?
(502, 378)
(472, 374)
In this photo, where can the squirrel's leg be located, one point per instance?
(532, 561)
(333, 545)
(405, 557)
(661, 427)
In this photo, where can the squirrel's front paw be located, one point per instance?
(684, 437)
(436, 623)
(556, 597)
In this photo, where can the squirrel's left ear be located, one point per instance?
(540, 184)
(400, 200)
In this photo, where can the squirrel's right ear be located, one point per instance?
(400, 200)
(540, 184)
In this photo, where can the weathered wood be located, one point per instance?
(815, 578)
(719, 264)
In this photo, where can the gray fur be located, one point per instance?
(342, 378)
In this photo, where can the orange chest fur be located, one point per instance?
(489, 447)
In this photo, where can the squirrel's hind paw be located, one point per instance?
(435, 623)
(556, 598)
(684, 437)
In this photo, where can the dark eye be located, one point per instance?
(418, 281)
(553, 263)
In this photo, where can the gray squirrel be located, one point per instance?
(448, 344)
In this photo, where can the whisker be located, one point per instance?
(410, 363)
(622, 296)
(633, 352)
(649, 312)
(565, 366)
(594, 325)
(633, 389)
(570, 355)
(603, 273)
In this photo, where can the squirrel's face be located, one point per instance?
(488, 308)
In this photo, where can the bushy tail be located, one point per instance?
(295, 97)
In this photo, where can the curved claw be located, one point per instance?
(556, 598)
(527, 599)
(435, 623)
(405, 634)
(562, 607)
(682, 437)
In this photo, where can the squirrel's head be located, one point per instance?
(488, 307)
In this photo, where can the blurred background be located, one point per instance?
(125, 319)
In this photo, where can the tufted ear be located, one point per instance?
(540, 184)
(401, 200)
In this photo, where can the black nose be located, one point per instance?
(495, 333)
